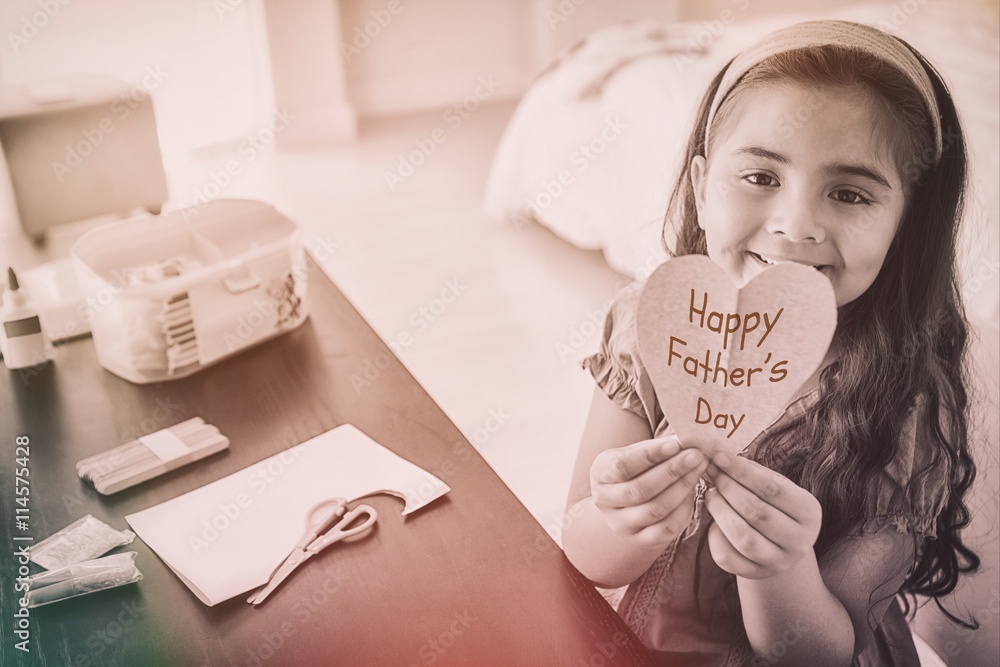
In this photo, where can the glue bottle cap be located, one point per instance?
(14, 297)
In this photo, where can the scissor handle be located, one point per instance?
(341, 530)
(321, 517)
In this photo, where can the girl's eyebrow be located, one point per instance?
(757, 151)
(864, 171)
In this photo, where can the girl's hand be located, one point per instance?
(764, 523)
(644, 490)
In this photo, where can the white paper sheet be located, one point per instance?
(227, 537)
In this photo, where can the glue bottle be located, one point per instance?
(22, 340)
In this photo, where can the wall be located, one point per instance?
(399, 55)
(404, 55)
(211, 86)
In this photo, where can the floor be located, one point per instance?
(491, 317)
(476, 309)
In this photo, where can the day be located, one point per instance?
(720, 420)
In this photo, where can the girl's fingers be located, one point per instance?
(773, 488)
(767, 520)
(727, 557)
(624, 463)
(673, 525)
(660, 509)
(742, 536)
(651, 483)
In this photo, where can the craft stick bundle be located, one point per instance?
(151, 455)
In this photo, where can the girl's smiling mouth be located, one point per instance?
(768, 260)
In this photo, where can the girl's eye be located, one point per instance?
(760, 178)
(845, 196)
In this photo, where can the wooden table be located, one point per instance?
(470, 580)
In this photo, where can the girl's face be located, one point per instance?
(800, 175)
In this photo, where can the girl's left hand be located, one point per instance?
(764, 523)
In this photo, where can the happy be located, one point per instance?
(730, 323)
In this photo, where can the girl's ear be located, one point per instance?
(698, 171)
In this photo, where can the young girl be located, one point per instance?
(834, 145)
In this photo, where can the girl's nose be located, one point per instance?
(798, 222)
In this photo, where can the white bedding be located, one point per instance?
(592, 151)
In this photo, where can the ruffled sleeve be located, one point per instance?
(616, 366)
(913, 489)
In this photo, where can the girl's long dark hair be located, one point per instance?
(900, 345)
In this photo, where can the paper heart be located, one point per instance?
(725, 361)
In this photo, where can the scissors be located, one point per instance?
(329, 522)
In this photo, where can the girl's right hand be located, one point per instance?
(644, 490)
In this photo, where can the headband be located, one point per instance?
(849, 35)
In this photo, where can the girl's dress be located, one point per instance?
(685, 607)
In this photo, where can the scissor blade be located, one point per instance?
(291, 563)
